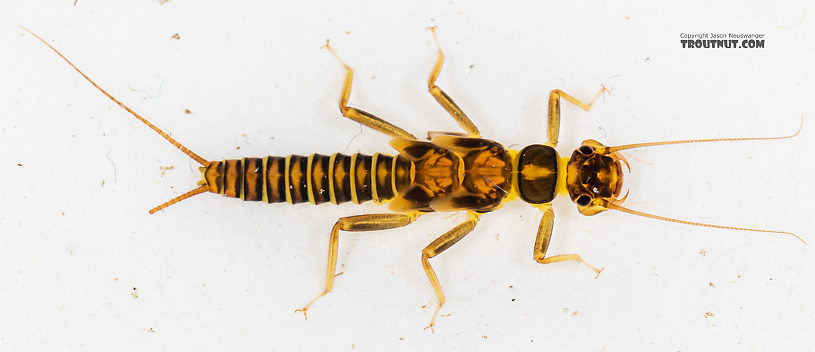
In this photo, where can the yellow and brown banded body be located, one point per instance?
(447, 173)
(316, 178)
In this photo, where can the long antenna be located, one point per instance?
(613, 206)
(608, 150)
(184, 149)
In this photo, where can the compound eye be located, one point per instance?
(585, 150)
(583, 200)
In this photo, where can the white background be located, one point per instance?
(79, 175)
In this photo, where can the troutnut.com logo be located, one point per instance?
(722, 40)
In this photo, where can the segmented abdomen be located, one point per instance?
(316, 178)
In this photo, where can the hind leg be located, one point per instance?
(370, 222)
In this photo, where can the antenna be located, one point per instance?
(172, 141)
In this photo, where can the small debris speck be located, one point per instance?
(20, 165)
(187, 111)
(711, 284)
(702, 252)
(708, 315)
(484, 337)
(165, 168)
(150, 330)
(401, 339)
(175, 36)
(162, 2)
(574, 314)
(135, 293)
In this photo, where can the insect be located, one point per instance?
(448, 172)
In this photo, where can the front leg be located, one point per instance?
(554, 111)
(545, 235)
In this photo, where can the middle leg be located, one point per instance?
(440, 245)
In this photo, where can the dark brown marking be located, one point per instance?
(275, 181)
(342, 178)
(319, 178)
(253, 179)
(362, 178)
(298, 185)
(233, 178)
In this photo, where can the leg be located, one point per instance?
(439, 245)
(370, 222)
(444, 100)
(360, 116)
(554, 111)
(542, 242)
(431, 134)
